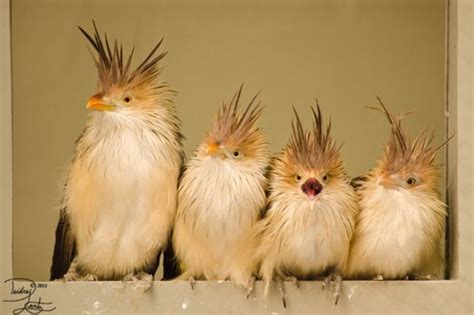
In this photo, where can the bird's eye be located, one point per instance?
(297, 178)
(325, 177)
(127, 99)
(236, 154)
(411, 181)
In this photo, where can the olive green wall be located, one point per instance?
(344, 52)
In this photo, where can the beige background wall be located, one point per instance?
(343, 52)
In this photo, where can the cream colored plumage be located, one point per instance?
(222, 193)
(308, 226)
(402, 218)
(120, 196)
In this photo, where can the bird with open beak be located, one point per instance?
(221, 193)
(306, 231)
(399, 229)
(119, 200)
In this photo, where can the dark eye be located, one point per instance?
(325, 177)
(412, 181)
(236, 154)
(127, 99)
(298, 177)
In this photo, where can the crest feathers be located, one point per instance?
(110, 64)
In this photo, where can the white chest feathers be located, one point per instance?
(217, 206)
(121, 196)
(396, 231)
(314, 237)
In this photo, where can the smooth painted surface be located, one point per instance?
(5, 144)
(358, 297)
(342, 52)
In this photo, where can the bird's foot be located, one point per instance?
(140, 281)
(75, 276)
(250, 287)
(337, 280)
(281, 288)
(378, 278)
(293, 280)
(192, 282)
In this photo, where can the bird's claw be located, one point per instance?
(326, 281)
(337, 288)
(337, 280)
(250, 287)
(141, 281)
(192, 282)
(281, 289)
(73, 274)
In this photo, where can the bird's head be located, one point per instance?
(309, 166)
(234, 137)
(407, 166)
(120, 87)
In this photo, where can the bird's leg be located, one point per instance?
(326, 281)
(337, 288)
(250, 287)
(293, 280)
(188, 276)
(281, 288)
(337, 279)
(141, 281)
(192, 282)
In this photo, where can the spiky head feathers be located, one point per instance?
(314, 148)
(118, 81)
(311, 159)
(235, 131)
(412, 162)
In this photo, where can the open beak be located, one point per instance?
(312, 188)
(96, 102)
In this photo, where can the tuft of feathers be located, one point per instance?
(112, 69)
(400, 151)
(234, 126)
(312, 148)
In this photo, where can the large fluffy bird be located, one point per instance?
(307, 228)
(222, 193)
(401, 223)
(119, 200)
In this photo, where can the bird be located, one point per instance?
(120, 194)
(306, 230)
(221, 193)
(401, 222)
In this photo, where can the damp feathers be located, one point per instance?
(111, 68)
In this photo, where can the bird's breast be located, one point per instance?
(218, 204)
(121, 196)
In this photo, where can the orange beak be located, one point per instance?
(212, 148)
(96, 102)
(388, 182)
